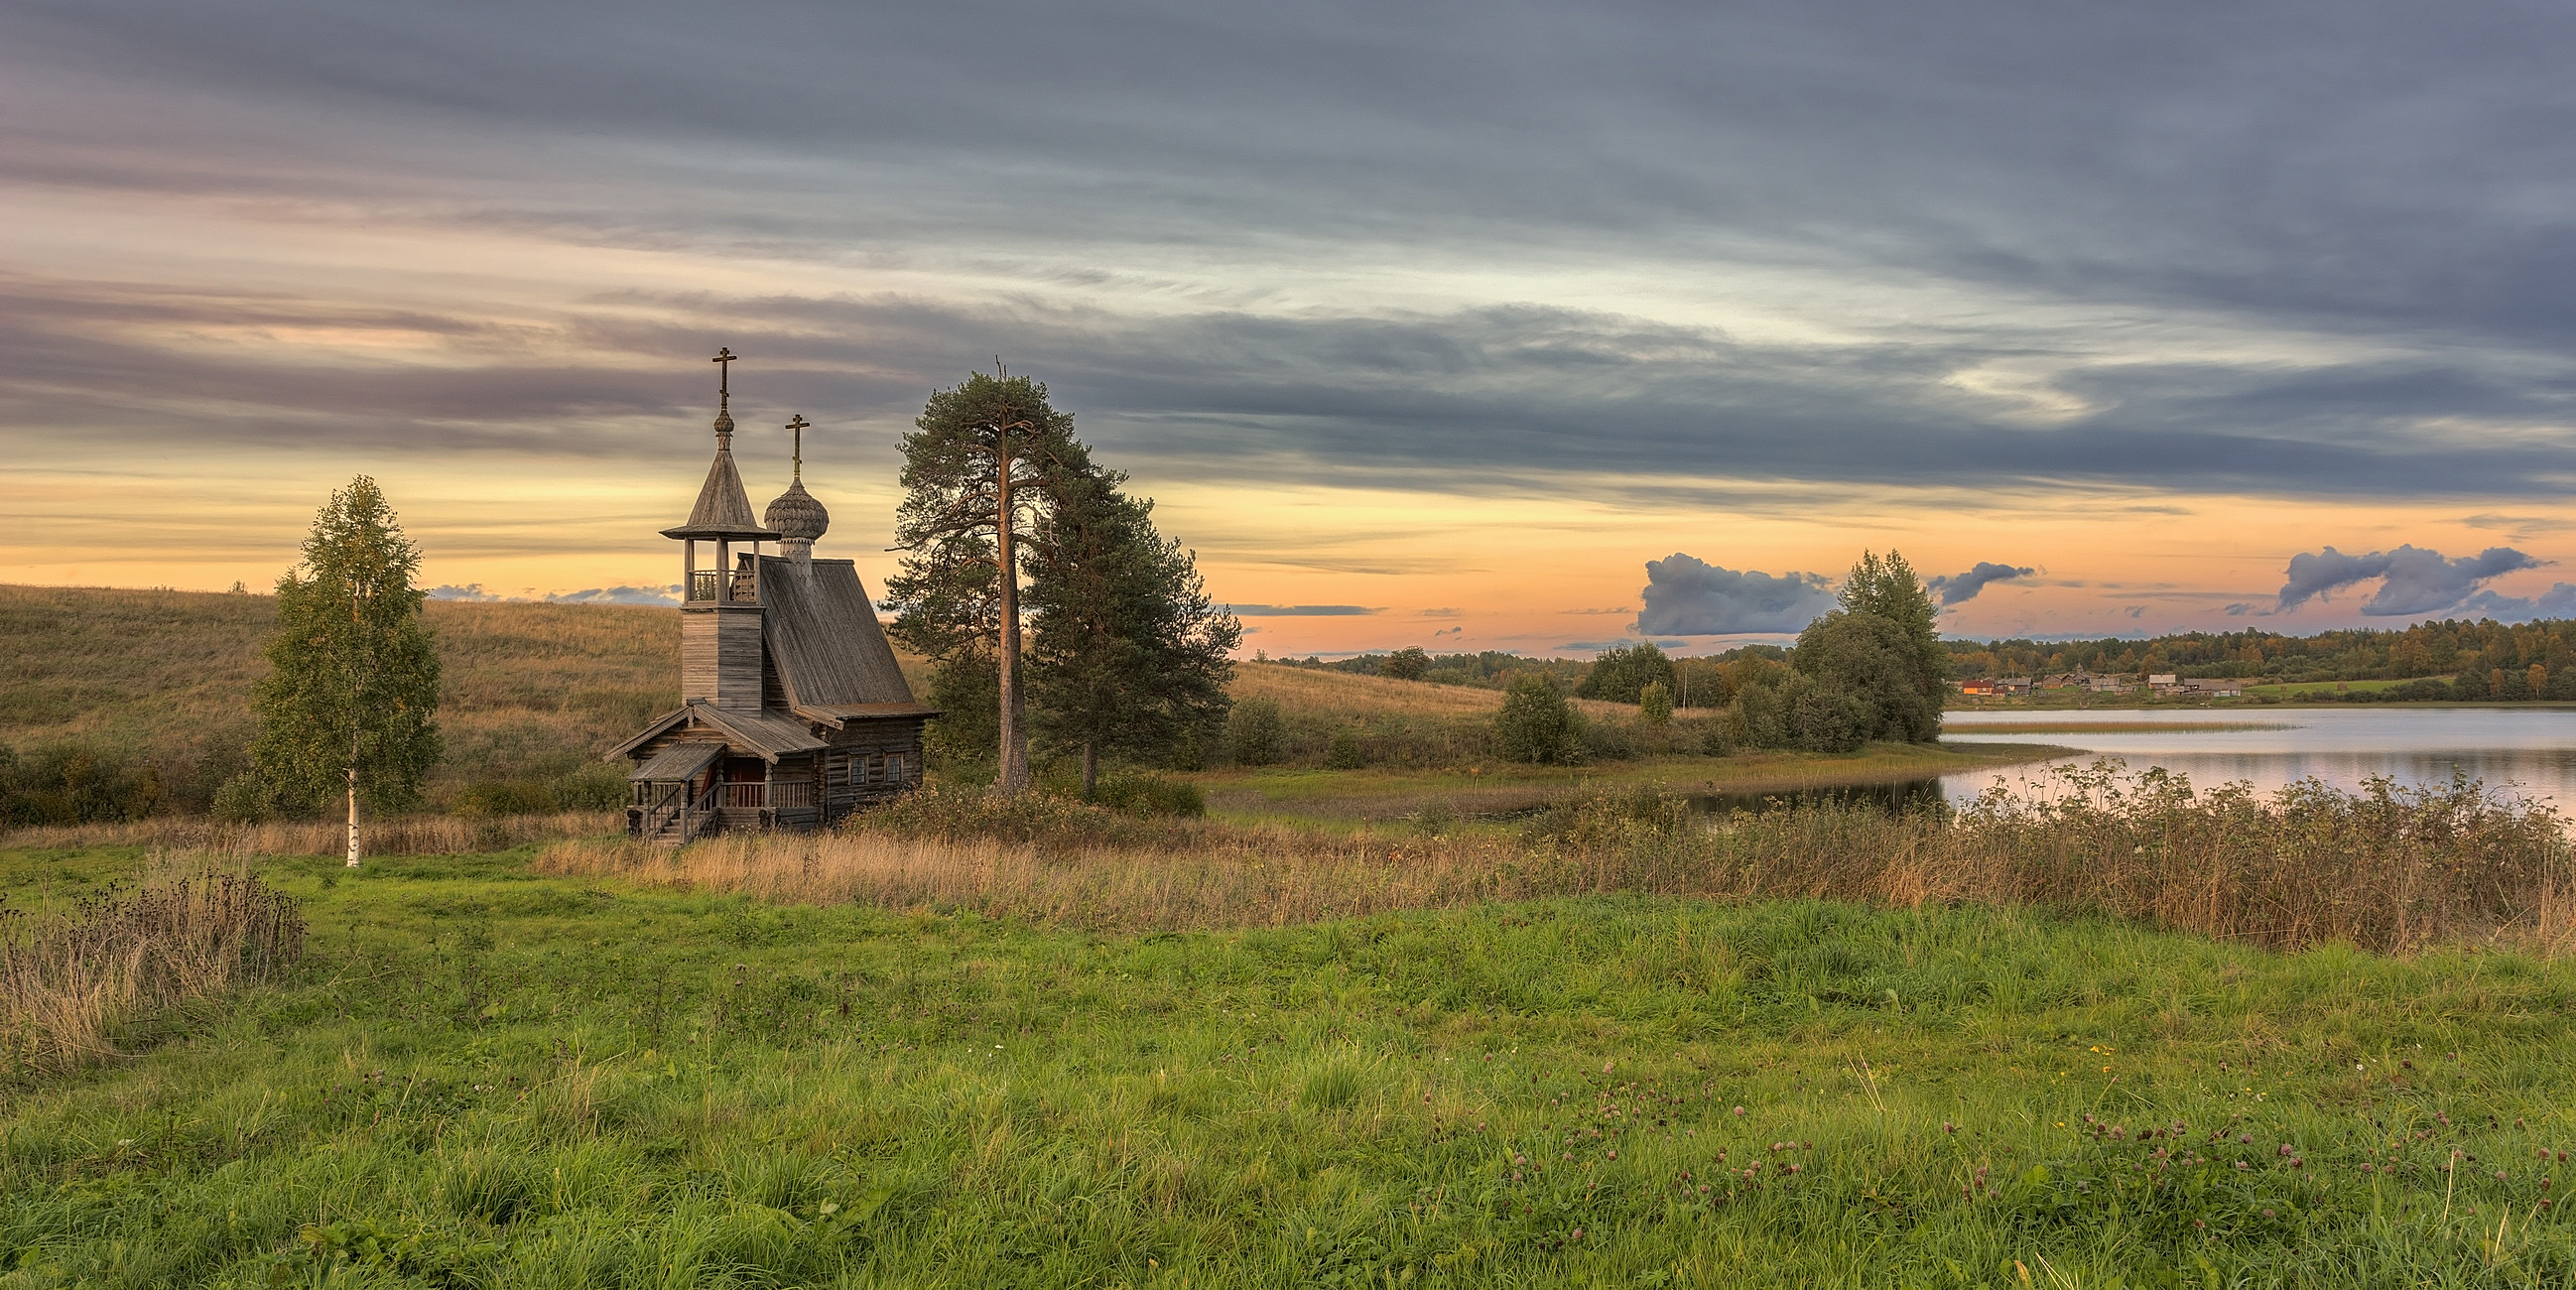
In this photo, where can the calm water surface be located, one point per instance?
(2532, 750)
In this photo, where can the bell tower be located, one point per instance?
(720, 609)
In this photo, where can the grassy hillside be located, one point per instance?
(530, 692)
(487, 1076)
(1418, 725)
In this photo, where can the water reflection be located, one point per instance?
(2531, 751)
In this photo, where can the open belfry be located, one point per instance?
(793, 712)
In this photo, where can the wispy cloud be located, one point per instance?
(669, 595)
(1960, 588)
(1303, 611)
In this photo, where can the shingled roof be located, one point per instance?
(723, 509)
(832, 657)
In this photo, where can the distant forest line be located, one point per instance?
(2466, 661)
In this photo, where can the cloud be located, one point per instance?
(1959, 588)
(2237, 610)
(2135, 611)
(1302, 611)
(2414, 580)
(469, 591)
(1687, 596)
(669, 595)
(2557, 602)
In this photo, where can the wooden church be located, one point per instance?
(793, 712)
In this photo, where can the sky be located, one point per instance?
(1538, 327)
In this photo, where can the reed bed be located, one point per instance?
(2388, 868)
(70, 984)
(405, 835)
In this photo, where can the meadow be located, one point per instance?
(484, 1075)
(1049, 1045)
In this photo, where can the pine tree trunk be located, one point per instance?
(1090, 769)
(353, 815)
(1014, 775)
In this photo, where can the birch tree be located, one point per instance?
(349, 706)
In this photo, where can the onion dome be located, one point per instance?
(796, 515)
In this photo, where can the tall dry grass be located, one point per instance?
(404, 835)
(2385, 869)
(69, 983)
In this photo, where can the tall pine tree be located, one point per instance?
(1130, 656)
(976, 472)
(349, 706)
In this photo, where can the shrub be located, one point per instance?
(246, 798)
(1252, 731)
(1655, 703)
(1407, 664)
(1606, 740)
(66, 987)
(1536, 724)
(597, 787)
(1343, 753)
(76, 784)
(1622, 674)
(1141, 794)
(1795, 710)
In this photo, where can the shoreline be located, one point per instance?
(1310, 797)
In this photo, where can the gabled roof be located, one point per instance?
(678, 761)
(723, 509)
(766, 735)
(832, 656)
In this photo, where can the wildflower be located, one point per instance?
(1739, 1110)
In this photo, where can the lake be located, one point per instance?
(2529, 749)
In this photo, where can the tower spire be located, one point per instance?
(724, 360)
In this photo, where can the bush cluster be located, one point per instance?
(76, 784)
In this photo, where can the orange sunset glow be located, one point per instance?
(1455, 394)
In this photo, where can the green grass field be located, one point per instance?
(485, 1078)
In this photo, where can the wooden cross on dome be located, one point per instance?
(723, 360)
(796, 426)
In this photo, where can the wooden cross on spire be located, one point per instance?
(797, 426)
(724, 368)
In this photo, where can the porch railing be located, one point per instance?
(783, 794)
(675, 814)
